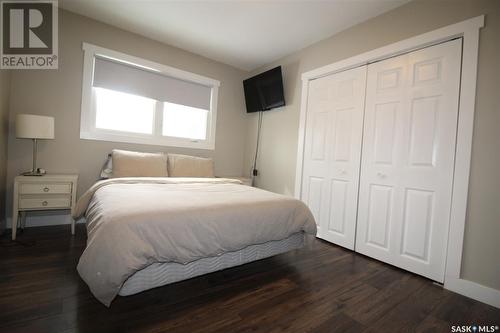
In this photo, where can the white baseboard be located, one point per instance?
(35, 219)
(474, 290)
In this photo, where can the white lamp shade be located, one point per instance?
(30, 126)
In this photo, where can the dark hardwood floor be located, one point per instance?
(320, 288)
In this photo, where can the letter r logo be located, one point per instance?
(27, 27)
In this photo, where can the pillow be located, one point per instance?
(190, 166)
(136, 164)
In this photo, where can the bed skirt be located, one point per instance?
(160, 274)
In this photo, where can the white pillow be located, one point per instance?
(136, 164)
(190, 166)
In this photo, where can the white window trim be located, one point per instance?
(87, 123)
(469, 31)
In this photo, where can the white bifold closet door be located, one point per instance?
(408, 157)
(332, 153)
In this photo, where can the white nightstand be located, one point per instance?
(48, 192)
(244, 180)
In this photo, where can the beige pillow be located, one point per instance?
(136, 164)
(190, 166)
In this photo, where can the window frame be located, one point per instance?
(88, 130)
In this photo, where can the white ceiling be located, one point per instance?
(244, 34)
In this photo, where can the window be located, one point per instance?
(184, 122)
(128, 99)
(124, 112)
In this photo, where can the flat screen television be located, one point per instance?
(264, 91)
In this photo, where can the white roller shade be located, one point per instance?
(127, 78)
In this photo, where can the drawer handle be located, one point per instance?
(46, 189)
(45, 203)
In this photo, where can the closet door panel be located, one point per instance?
(408, 151)
(332, 153)
(379, 216)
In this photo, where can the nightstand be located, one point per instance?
(48, 192)
(244, 180)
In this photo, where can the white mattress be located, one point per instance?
(160, 274)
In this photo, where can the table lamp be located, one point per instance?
(29, 126)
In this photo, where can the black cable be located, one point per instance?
(259, 125)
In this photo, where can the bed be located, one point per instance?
(145, 232)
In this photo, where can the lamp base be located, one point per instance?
(38, 172)
(34, 171)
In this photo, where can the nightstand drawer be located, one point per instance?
(54, 188)
(45, 202)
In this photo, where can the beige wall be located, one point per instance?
(4, 124)
(280, 127)
(58, 93)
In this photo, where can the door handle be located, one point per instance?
(381, 174)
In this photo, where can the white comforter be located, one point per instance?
(134, 222)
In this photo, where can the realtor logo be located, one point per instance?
(29, 35)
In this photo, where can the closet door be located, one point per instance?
(332, 151)
(408, 158)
